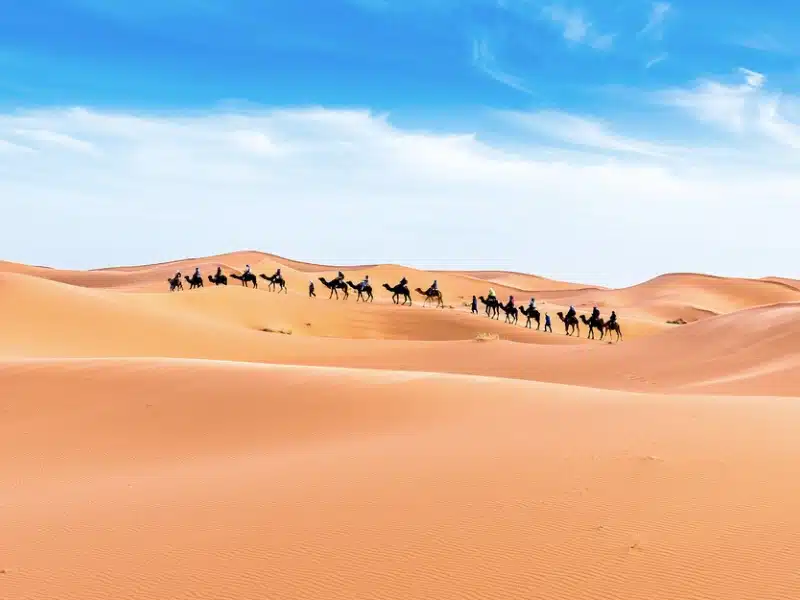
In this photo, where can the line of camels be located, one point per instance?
(493, 306)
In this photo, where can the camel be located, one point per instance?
(275, 281)
(193, 281)
(593, 324)
(570, 324)
(220, 279)
(512, 314)
(334, 286)
(430, 295)
(397, 291)
(245, 278)
(175, 283)
(366, 290)
(492, 307)
(609, 326)
(531, 314)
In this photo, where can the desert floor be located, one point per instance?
(227, 442)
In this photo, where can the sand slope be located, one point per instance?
(238, 443)
(177, 479)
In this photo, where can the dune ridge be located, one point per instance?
(236, 443)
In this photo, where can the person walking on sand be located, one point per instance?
(474, 305)
(311, 293)
(547, 325)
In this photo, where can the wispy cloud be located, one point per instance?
(658, 12)
(575, 28)
(746, 108)
(6, 146)
(484, 60)
(655, 60)
(588, 133)
(53, 138)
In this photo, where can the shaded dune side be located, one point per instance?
(148, 479)
(685, 296)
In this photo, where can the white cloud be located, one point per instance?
(54, 138)
(658, 13)
(575, 28)
(348, 186)
(655, 60)
(746, 109)
(484, 60)
(584, 132)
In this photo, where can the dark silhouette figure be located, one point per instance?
(570, 324)
(512, 313)
(430, 296)
(245, 279)
(311, 293)
(532, 315)
(594, 323)
(474, 305)
(334, 286)
(397, 291)
(548, 326)
(363, 291)
(275, 281)
(195, 281)
(492, 307)
(613, 326)
(175, 283)
(219, 279)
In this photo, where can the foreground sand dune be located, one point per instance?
(237, 443)
(192, 479)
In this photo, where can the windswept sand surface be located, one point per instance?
(164, 445)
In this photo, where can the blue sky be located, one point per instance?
(602, 141)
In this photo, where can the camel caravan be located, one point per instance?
(492, 305)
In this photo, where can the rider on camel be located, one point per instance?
(219, 272)
(276, 274)
(532, 304)
(511, 302)
(365, 283)
(197, 273)
(612, 320)
(246, 271)
(403, 282)
(339, 278)
(570, 312)
(433, 289)
(492, 296)
(595, 314)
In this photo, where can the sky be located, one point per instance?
(602, 142)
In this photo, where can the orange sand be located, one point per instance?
(233, 443)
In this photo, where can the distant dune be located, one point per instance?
(228, 442)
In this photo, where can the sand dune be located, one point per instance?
(179, 479)
(238, 443)
(686, 296)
